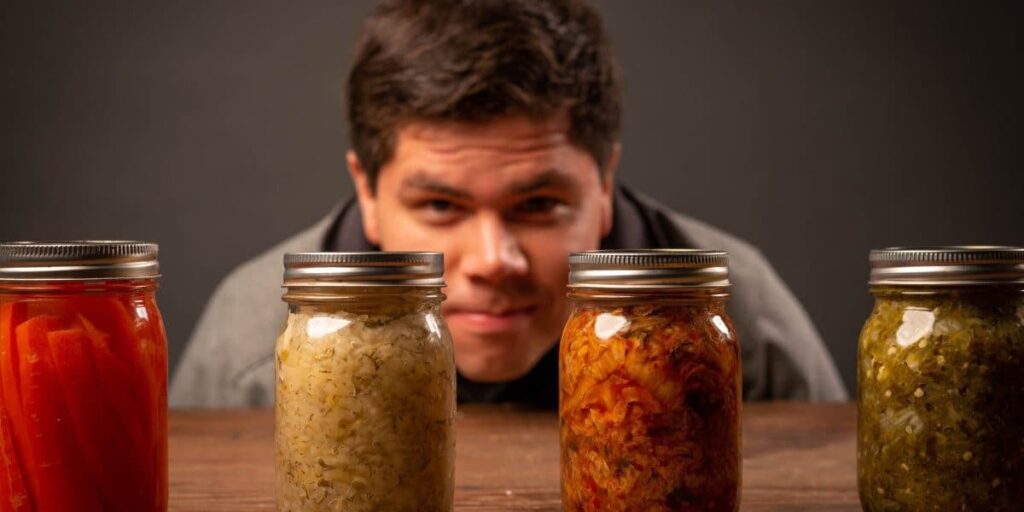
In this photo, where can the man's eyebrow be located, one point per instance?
(549, 178)
(423, 182)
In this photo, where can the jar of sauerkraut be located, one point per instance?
(941, 386)
(649, 371)
(365, 392)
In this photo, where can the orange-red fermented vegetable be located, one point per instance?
(56, 476)
(13, 491)
(83, 420)
(649, 413)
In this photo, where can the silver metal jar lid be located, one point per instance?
(78, 260)
(649, 269)
(947, 266)
(424, 269)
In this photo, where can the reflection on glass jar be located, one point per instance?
(649, 384)
(83, 378)
(365, 385)
(941, 426)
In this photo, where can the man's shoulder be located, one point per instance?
(783, 356)
(749, 270)
(265, 270)
(745, 259)
(228, 362)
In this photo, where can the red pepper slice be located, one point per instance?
(116, 382)
(15, 496)
(109, 318)
(107, 452)
(13, 492)
(56, 473)
(154, 348)
(11, 315)
(110, 315)
(136, 397)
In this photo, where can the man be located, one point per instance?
(488, 130)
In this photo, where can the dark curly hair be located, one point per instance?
(475, 60)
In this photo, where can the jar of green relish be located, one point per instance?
(941, 381)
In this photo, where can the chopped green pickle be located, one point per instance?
(941, 401)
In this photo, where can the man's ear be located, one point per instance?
(366, 196)
(608, 188)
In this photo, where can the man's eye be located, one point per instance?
(439, 211)
(440, 205)
(537, 205)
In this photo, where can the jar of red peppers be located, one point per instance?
(649, 372)
(83, 378)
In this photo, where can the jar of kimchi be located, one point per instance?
(83, 378)
(649, 372)
(940, 381)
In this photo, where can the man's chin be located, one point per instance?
(487, 377)
(490, 365)
(498, 357)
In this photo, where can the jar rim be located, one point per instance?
(649, 269)
(78, 260)
(363, 269)
(947, 266)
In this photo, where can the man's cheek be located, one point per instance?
(401, 231)
(551, 249)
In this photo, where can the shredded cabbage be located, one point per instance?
(365, 412)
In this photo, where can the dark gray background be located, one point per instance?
(816, 130)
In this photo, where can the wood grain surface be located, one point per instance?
(797, 457)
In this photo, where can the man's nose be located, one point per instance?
(493, 251)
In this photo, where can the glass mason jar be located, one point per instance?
(83, 378)
(365, 394)
(649, 377)
(941, 381)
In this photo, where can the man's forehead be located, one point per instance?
(510, 154)
(509, 133)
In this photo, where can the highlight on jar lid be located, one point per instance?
(947, 266)
(78, 260)
(318, 269)
(649, 269)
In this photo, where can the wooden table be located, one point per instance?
(796, 457)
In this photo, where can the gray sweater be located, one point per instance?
(229, 360)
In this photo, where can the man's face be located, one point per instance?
(506, 201)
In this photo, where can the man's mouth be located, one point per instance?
(490, 321)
